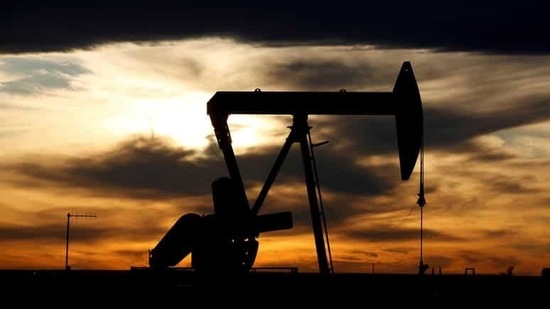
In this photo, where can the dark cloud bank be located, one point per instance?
(153, 168)
(486, 26)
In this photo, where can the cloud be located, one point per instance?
(54, 232)
(144, 167)
(447, 128)
(321, 74)
(497, 234)
(15, 107)
(477, 257)
(35, 75)
(337, 171)
(464, 97)
(442, 25)
(155, 169)
(518, 185)
(446, 131)
(443, 128)
(382, 233)
(93, 232)
(47, 232)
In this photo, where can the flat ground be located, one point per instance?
(146, 287)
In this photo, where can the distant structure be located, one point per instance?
(226, 241)
(545, 273)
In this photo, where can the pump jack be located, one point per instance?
(226, 241)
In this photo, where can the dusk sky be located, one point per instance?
(103, 111)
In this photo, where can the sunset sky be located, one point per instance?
(103, 111)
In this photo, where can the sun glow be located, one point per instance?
(250, 131)
(182, 119)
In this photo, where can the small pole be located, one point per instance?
(422, 267)
(421, 203)
(67, 242)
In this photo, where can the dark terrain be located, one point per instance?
(185, 288)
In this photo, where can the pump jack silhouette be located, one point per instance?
(227, 240)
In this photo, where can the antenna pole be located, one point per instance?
(67, 242)
(69, 215)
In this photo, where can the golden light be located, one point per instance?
(183, 119)
(248, 132)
